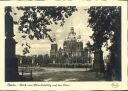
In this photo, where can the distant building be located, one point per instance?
(72, 46)
(72, 54)
(72, 51)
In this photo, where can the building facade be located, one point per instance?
(72, 51)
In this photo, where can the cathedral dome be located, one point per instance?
(72, 34)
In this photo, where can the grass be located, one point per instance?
(67, 76)
(64, 74)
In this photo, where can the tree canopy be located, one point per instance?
(106, 24)
(104, 21)
(35, 20)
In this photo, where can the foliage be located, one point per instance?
(35, 20)
(106, 24)
(104, 21)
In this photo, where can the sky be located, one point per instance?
(78, 20)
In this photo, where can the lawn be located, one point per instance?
(62, 74)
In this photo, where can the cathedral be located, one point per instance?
(71, 54)
(72, 51)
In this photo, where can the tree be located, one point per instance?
(11, 62)
(106, 24)
(35, 20)
(33, 23)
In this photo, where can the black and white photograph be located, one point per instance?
(62, 43)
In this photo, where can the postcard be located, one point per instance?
(63, 45)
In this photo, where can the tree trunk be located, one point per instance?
(98, 61)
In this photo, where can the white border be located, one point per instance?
(92, 85)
